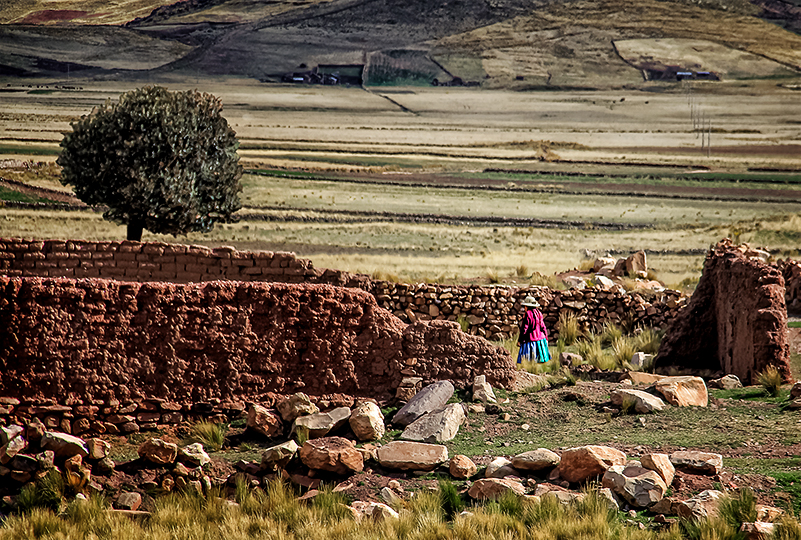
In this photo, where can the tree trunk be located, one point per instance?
(135, 228)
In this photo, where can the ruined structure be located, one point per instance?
(735, 322)
(222, 340)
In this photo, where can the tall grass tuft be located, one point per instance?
(210, 435)
(590, 349)
(568, 328)
(493, 276)
(648, 341)
(622, 350)
(450, 500)
(610, 333)
(738, 508)
(522, 271)
(464, 324)
(46, 493)
(771, 380)
(628, 405)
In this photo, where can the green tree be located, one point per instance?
(159, 160)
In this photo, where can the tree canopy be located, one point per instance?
(159, 160)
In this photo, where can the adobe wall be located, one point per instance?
(157, 261)
(735, 322)
(227, 341)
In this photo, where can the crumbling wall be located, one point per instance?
(221, 340)
(735, 322)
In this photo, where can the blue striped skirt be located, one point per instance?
(531, 350)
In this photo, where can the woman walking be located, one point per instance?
(533, 337)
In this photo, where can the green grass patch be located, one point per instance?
(794, 324)
(30, 150)
(12, 195)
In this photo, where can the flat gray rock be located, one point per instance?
(431, 398)
(437, 426)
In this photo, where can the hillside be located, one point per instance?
(501, 43)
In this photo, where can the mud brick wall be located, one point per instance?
(155, 261)
(735, 322)
(494, 312)
(225, 340)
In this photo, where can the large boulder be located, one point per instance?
(462, 467)
(437, 426)
(63, 445)
(639, 486)
(661, 464)
(683, 391)
(500, 467)
(265, 421)
(697, 462)
(735, 321)
(494, 488)
(296, 405)
(585, 462)
(536, 460)
(701, 506)
(412, 456)
(367, 421)
(332, 454)
(278, 456)
(643, 402)
(322, 424)
(431, 398)
(158, 451)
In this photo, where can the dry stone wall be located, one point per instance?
(493, 312)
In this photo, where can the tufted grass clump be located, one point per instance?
(771, 380)
(610, 333)
(568, 326)
(622, 350)
(209, 434)
(45, 493)
(450, 499)
(648, 341)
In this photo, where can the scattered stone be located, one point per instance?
(643, 401)
(9, 432)
(128, 501)
(437, 426)
(332, 454)
(795, 391)
(105, 466)
(367, 421)
(639, 486)
(767, 513)
(536, 460)
(570, 359)
(565, 498)
(278, 456)
(697, 462)
(665, 506)
(194, 455)
(641, 378)
(462, 467)
(584, 462)
(296, 405)
(412, 456)
(758, 530)
(433, 397)
(322, 424)
(45, 459)
(703, 505)
(494, 488)
(661, 464)
(640, 359)
(524, 380)
(482, 391)
(265, 421)
(500, 467)
(389, 496)
(158, 451)
(375, 511)
(610, 498)
(63, 445)
(683, 391)
(12, 448)
(729, 382)
(98, 448)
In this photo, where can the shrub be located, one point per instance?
(771, 380)
(159, 160)
(210, 435)
(568, 328)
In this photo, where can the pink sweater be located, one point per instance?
(532, 327)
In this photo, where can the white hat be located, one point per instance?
(530, 301)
